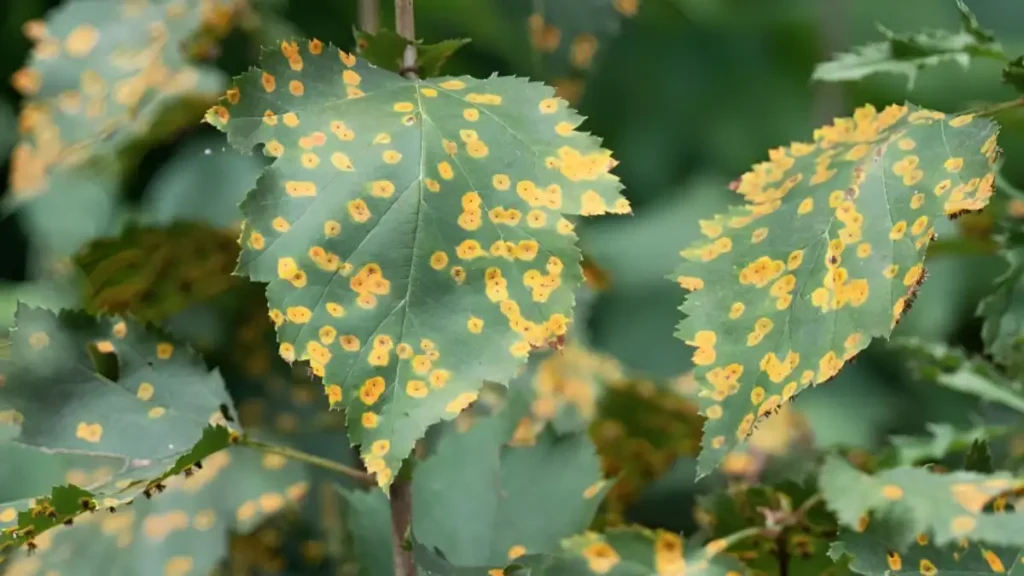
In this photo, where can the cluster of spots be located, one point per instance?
(850, 255)
(129, 64)
(659, 551)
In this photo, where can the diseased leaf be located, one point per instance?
(637, 551)
(950, 367)
(109, 388)
(503, 511)
(1003, 309)
(103, 74)
(386, 49)
(184, 530)
(908, 53)
(827, 254)
(411, 233)
(154, 273)
(911, 501)
(431, 563)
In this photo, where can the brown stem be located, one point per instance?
(324, 463)
(369, 15)
(999, 107)
(405, 25)
(401, 519)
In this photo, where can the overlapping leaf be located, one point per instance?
(432, 563)
(826, 255)
(184, 530)
(479, 503)
(942, 440)
(101, 74)
(386, 50)
(411, 231)
(907, 54)
(155, 272)
(638, 551)
(109, 388)
(1003, 309)
(910, 501)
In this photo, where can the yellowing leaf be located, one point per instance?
(826, 254)
(411, 232)
(635, 550)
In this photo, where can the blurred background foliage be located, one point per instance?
(687, 93)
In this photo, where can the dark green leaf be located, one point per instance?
(386, 49)
(369, 519)
(979, 458)
(1003, 309)
(1013, 73)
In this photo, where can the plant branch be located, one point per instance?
(311, 459)
(993, 109)
(369, 15)
(405, 25)
(401, 520)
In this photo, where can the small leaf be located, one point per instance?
(153, 273)
(161, 416)
(636, 551)
(102, 75)
(979, 457)
(827, 254)
(388, 197)
(947, 507)
(1003, 309)
(907, 53)
(942, 440)
(386, 49)
(1013, 73)
(503, 511)
(432, 563)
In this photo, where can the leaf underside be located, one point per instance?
(410, 231)
(826, 254)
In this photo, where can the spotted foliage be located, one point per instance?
(410, 231)
(636, 551)
(504, 511)
(431, 562)
(568, 37)
(946, 507)
(826, 254)
(386, 49)
(102, 73)
(153, 273)
(908, 53)
(184, 530)
(109, 388)
(1003, 309)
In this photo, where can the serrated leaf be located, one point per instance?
(186, 527)
(1003, 309)
(154, 273)
(155, 408)
(952, 368)
(386, 49)
(872, 555)
(908, 53)
(636, 551)
(392, 196)
(827, 254)
(503, 511)
(432, 563)
(911, 501)
(942, 439)
(101, 75)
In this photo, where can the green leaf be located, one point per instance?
(369, 519)
(385, 49)
(187, 526)
(1003, 309)
(827, 254)
(1013, 73)
(909, 53)
(636, 551)
(911, 501)
(102, 75)
(951, 368)
(156, 272)
(153, 406)
(872, 555)
(942, 439)
(390, 196)
(979, 457)
(502, 511)
(432, 563)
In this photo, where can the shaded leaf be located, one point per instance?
(431, 563)
(638, 551)
(157, 413)
(908, 53)
(369, 519)
(1003, 309)
(386, 49)
(942, 439)
(911, 501)
(503, 510)
(979, 457)
(394, 196)
(102, 75)
(826, 255)
(1013, 73)
(156, 272)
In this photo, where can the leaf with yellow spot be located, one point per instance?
(386, 50)
(153, 273)
(826, 254)
(104, 75)
(636, 551)
(185, 526)
(504, 511)
(870, 554)
(106, 387)
(908, 53)
(946, 507)
(391, 200)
